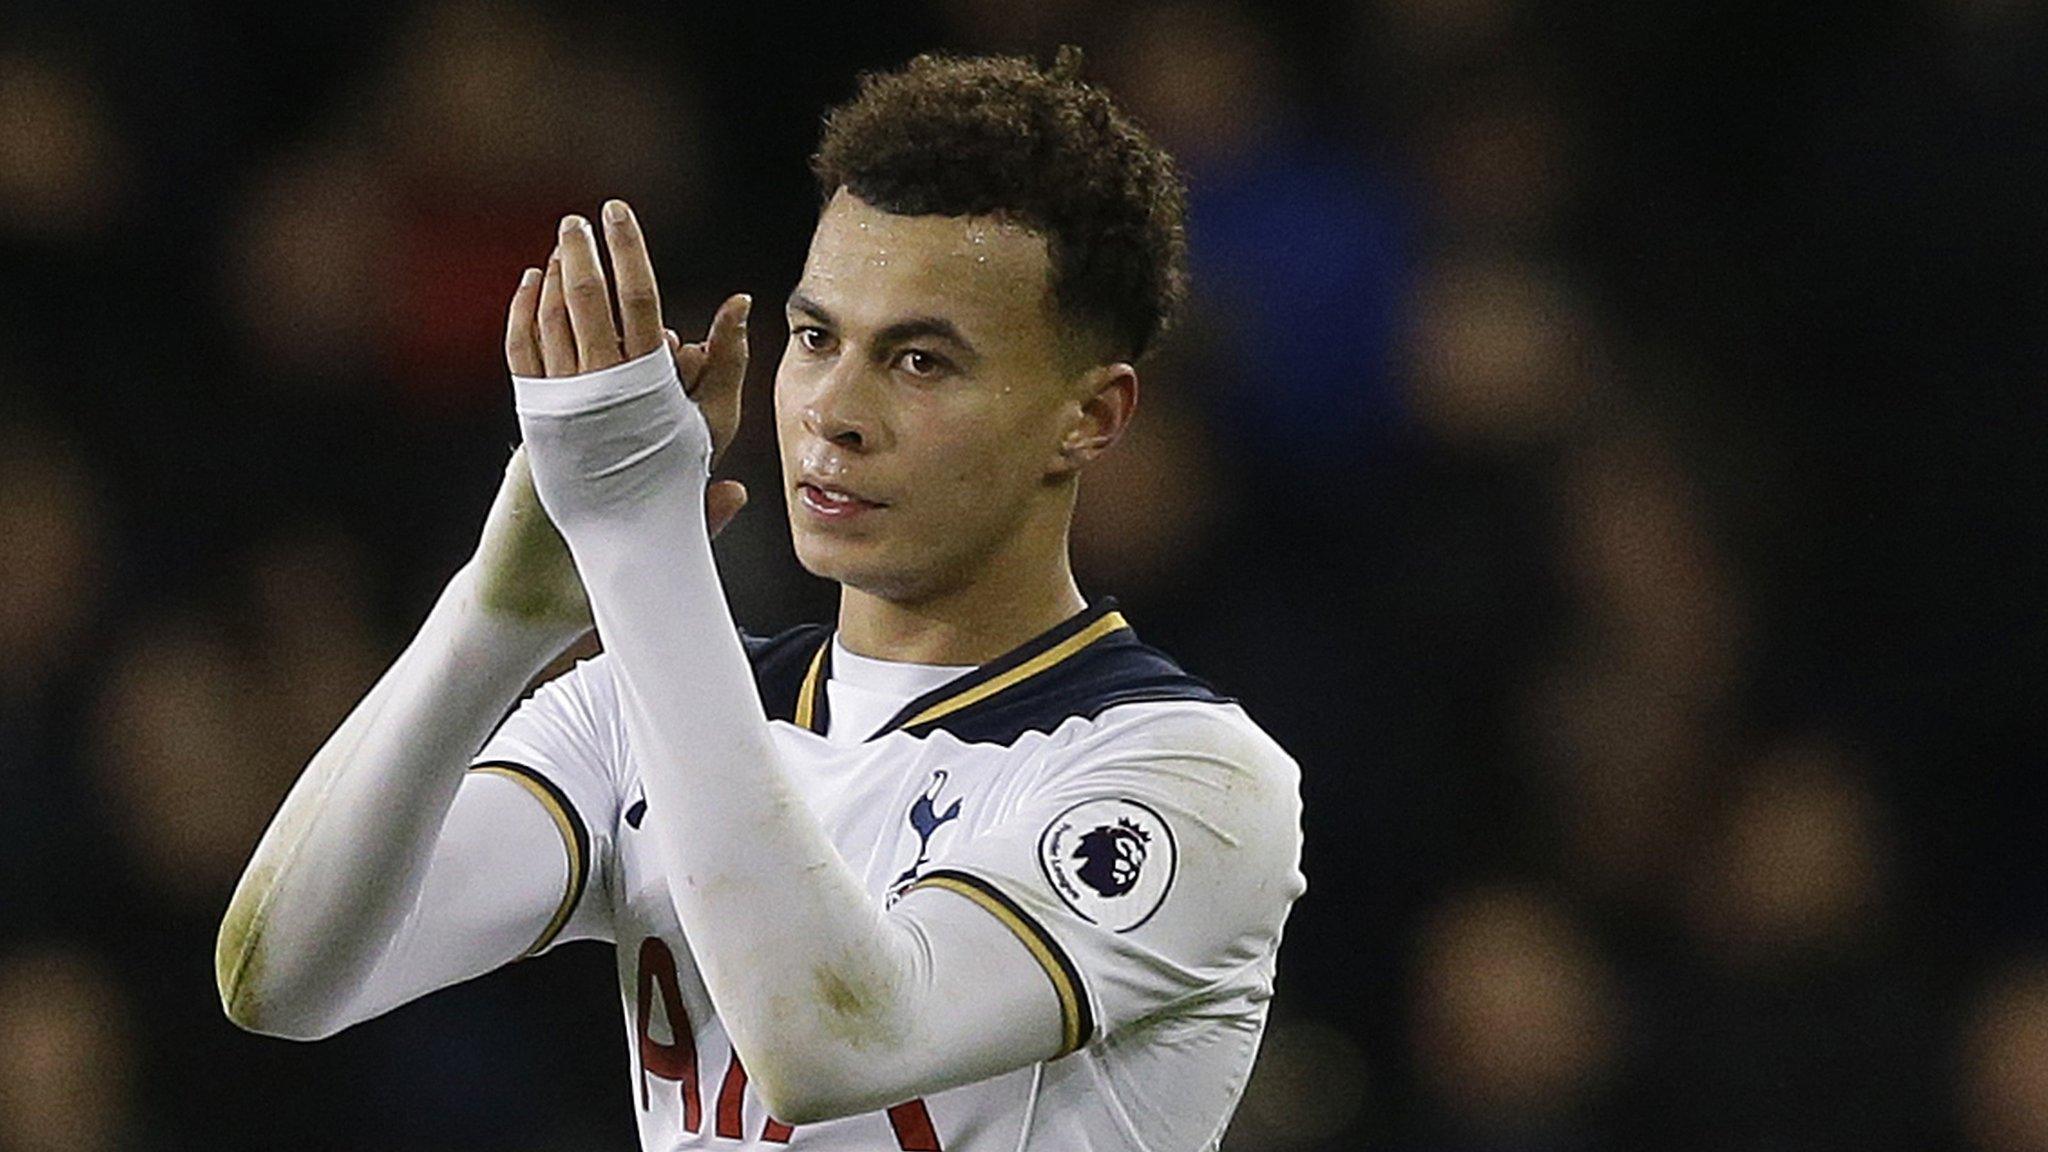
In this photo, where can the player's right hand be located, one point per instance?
(522, 565)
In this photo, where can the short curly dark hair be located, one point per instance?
(997, 136)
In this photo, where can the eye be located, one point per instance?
(920, 363)
(812, 338)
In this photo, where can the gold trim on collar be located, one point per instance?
(1110, 622)
(807, 694)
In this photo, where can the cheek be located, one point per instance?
(988, 470)
(788, 405)
(784, 391)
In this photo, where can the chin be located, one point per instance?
(862, 565)
(836, 558)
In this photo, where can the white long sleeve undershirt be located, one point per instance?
(836, 1005)
(390, 871)
(368, 853)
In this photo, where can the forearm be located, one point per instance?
(818, 988)
(341, 865)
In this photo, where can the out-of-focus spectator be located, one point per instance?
(1299, 249)
(1639, 552)
(308, 266)
(1620, 765)
(62, 163)
(1499, 164)
(1518, 1023)
(1630, 711)
(53, 566)
(388, 251)
(491, 121)
(209, 715)
(1472, 88)
(67, 171)
(183, 758)
(319, 650)
(1793, 1016)
(54, 575)
(367, 265)
(1501, 355)
(1797, 867)
(67, 1068)
(2003, 1070)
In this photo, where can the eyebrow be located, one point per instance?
(896, 332)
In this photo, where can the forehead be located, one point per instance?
(870, 266)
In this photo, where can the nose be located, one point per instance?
(839, 410)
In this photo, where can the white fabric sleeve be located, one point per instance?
(564, 749)
(520, 864)
(1153, 871)
(836, 1007)
(493, 889)
(344, 867)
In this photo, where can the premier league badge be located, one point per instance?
(1110, 860)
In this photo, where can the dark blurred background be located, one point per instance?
(1604, 452)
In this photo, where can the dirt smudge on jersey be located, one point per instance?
(857, 1004)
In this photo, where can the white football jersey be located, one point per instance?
(1136, 831)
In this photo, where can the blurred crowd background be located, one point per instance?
(1603, 451)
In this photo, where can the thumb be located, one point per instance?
(723, 501)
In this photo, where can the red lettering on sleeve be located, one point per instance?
(676, 1060)
(731, 1095)
(913, 1125)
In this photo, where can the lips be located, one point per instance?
(833, 502)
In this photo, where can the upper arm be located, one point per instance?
(520, 859)
(1156, 869)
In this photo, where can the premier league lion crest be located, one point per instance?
(1112, 856)
(1111, 861)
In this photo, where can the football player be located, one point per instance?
(973, 869)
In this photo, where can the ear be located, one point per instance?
(1107, 399)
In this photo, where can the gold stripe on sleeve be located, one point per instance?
(565, 823)
(1075, 1018)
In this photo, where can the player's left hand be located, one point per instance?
(567, 327)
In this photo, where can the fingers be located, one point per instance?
(719, 384)
(588, 296)
(557, 338)
(574, 332)
(522, 340)
(728, 341)
(727, 344)
(689, 361)
(723, 501)
(639, 298)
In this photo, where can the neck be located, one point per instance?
(1010, 601)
